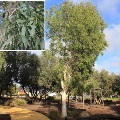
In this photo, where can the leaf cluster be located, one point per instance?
(23, 24)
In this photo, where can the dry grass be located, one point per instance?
(22, 114)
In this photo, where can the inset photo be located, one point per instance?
(22, 25)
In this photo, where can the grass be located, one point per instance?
(113, 99)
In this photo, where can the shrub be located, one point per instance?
(50, 98)
(15, 102)
(20, 102)
(74, 114)
(54, 115)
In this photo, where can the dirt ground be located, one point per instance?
(21, 114)
(112, 108)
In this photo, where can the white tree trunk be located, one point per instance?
(83, 100)
(64, 93)
(64, 108)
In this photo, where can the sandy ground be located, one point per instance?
(22, 114)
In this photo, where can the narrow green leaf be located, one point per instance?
(33, 30)
(36, 44)
(20, 21)
(7, 42)
(23, 31)
(25, 41)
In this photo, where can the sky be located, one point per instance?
(110, 12)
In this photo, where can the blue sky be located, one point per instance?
(110, 11)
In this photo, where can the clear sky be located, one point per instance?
(110, 11)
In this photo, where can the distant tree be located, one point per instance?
(28, 73)
(47, 78)
(77, 38)
(116, 85)
(3, 80)
(106, 81)
(22, 25)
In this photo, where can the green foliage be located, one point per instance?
(74, 114)
(54, 115)
(15, 102)
(2, 59)
(77, 38)
(50, 98)
(49, 77)
(116, 85)
(23, 25)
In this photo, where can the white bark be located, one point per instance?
(64, 92)
(64, 96)
(83, 100)
(64, 108)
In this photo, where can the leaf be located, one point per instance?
(32, 32)
(36, 44)
(20, 21)
(42, 44)
(25, 41)
(7, 42)
(23, 31)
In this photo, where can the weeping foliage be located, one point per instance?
(22, 25)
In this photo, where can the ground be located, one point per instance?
(33, 111)
(22, 114)
(109, 108)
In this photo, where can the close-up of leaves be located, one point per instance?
(22, 25)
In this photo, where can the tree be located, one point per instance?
(2, 59)
(116, 85)
(6, 83)
(47, 79)
(28, 73)
(22, 25)
(77, 38)
(22, 68)
(106, 81)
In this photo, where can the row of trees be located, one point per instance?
(34, 76)
(29, 70)
(38, 75)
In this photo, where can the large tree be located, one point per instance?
(77, 39)
(22, 25)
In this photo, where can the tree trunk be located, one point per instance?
(68, 99)
(83, 100)
(64, 108)
(90, 97)
(64, 97)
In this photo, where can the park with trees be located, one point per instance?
(66, 69)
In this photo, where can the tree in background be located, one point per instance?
(3, 83)
(106, 81)
(116, 85)
(77, 39)
(47, 79)
(28, 73)
(22, 26)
